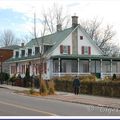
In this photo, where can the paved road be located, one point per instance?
(12, 104)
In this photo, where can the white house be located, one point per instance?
(68, 52)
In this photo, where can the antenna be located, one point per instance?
(35, 25)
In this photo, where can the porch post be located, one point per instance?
(89, 66)
(111, 67)
(59, 66)
(101, 68)
(78, 60)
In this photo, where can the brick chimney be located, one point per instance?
(59, 27)
(74, 21)
(75, 35)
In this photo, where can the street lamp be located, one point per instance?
(1, 77)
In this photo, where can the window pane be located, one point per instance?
(85, 66)
(29, 52)
(22, 53)
(17, 54)
(55, 66)
(74, 65)
(37, 50)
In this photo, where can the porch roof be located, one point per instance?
(85, 57)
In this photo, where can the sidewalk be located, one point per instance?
(81, 99)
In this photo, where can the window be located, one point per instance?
(64, 65)
(47, 47)
(86, 50)
(85, 66)
(22, 53)
(17, 54)
(55, 66)
(107, 68)
(65, 49)
(74, 65)
(13, 69)
(81, 37)
(37, 50)
(29, 52)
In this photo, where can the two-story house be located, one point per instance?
(68, 52)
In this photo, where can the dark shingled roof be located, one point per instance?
(51, 39)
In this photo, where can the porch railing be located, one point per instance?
(71, 74)
(83, 74)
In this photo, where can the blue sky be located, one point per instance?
(17, 15)
(10, 19)
(13, 20)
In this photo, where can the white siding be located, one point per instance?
(86, 42)
(67, 41)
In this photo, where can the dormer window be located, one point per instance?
(37, 50)
(22, 53)
(47, 47)
(17, 54)
(29, 52)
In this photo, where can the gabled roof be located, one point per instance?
(51, 39)
(89, 38)
(85, 33)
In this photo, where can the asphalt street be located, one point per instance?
(13, 104)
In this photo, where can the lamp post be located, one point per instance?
(1, 60)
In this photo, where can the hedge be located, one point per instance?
(100, 88)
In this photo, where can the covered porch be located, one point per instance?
(100, 66)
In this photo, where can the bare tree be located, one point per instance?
(51, 18)
(26, 38)
(7, 38)
(102, 36)
(111, 50)
(40, 44)
(54, 16)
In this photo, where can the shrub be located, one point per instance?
(107, 79)
(43, 88)
(4, 76)
(65, 77)
(114, 77)
(31, 91)
(51, 87)
(89, 78)
(13, 79)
